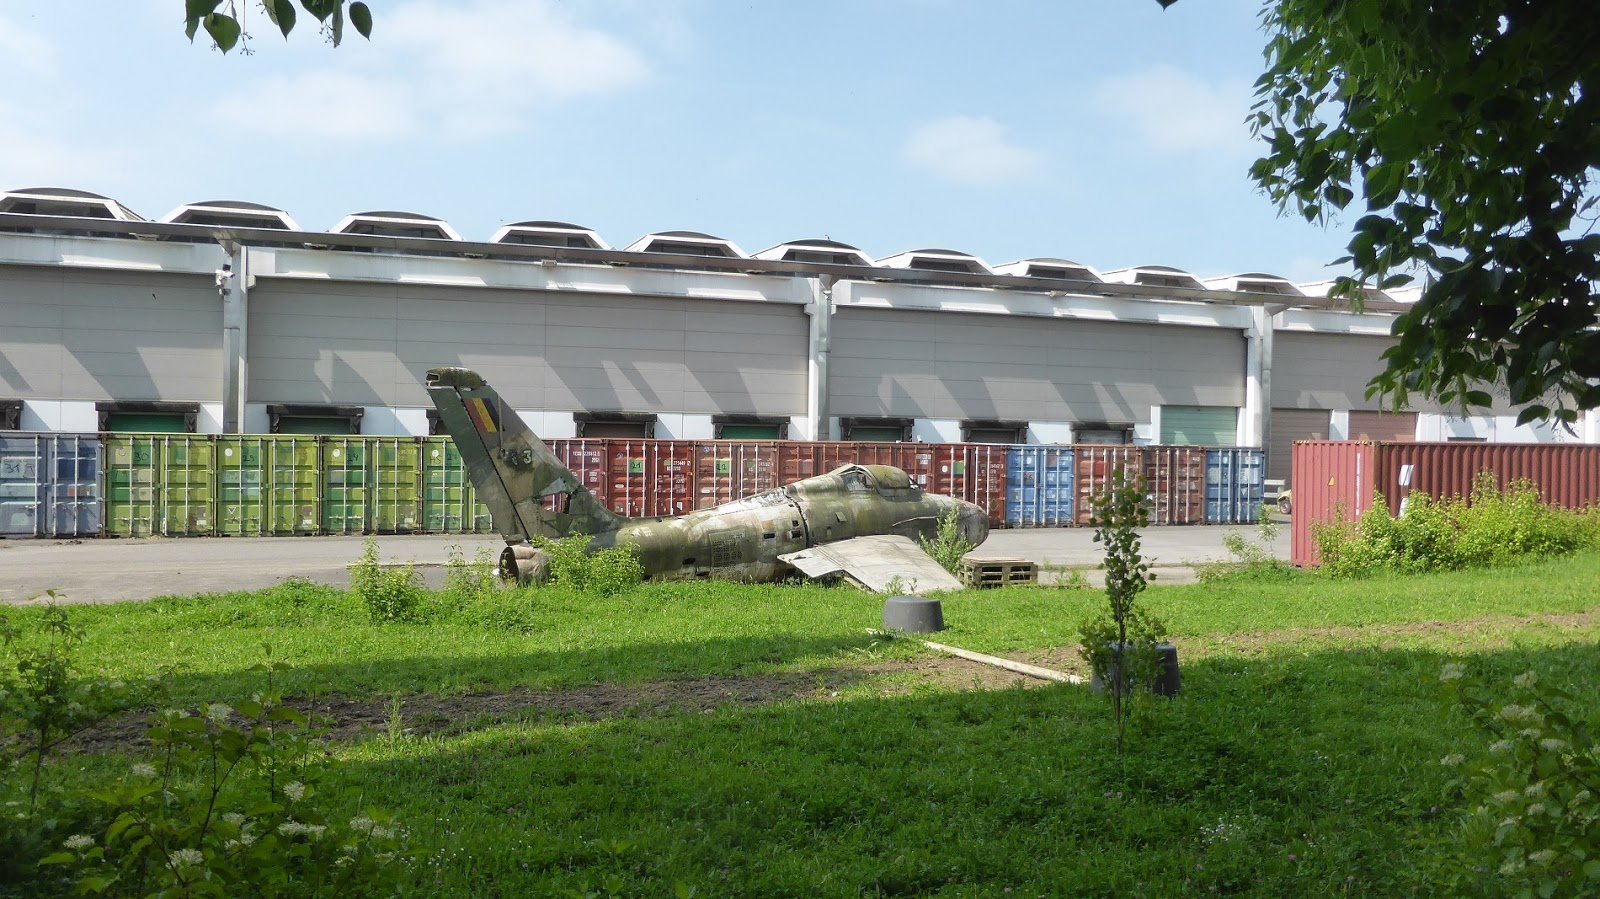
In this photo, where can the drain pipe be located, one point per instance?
(233, 284)
(819, 336)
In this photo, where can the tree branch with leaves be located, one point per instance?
(224, 20)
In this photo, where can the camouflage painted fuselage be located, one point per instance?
(530, 494)
(742, 540)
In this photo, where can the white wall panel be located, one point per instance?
(75, 334)
(372, 344)
(941, 365)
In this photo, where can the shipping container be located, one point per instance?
(589, 460)
(1093, 467)
(1235, 485)
(1175, 481)
(72, 490)
(1566, 474)
(269, 485)
(726, 470)
(1040, 486)
(975, 472)
(24, 474)
(649, 478)
(449, 502)
(394, 466)
(132, 469)
(188, 485)
(1333, 479)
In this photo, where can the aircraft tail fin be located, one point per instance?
(527, 489)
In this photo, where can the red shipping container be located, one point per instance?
(726, 470)
(1332, 479)
(1175, 479)
(1566, 474)
(1092, 470)
(650, 478)
(588, 459)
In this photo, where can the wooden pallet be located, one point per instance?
(998, 572)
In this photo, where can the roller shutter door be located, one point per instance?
(1199, 425)
(1401, 426)
(1289, 425)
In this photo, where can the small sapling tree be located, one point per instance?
(1120, 643)
(948, 544)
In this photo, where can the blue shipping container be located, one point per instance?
(1039, 487)
(50, 485)
(1235, 488)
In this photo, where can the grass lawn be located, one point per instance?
(755, 740)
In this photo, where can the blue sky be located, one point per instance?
(1110, 133)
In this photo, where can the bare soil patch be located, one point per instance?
(429, 713)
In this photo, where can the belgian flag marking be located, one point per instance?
(485, 417)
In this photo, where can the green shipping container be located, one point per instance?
(160, 484)
(345, 485)
(371, 485)
(449, 503)
(396, 471)
(268, 486)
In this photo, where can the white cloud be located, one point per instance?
(461, 71)
(1175, 111)
(969, 150)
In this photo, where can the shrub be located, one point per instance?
(390, 594)
(1491, 527)
(948, 544)
(1532, 827)
(604, 572)
(467, 583)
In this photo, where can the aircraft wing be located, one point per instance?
(875, 561)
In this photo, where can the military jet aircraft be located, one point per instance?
(859, 520)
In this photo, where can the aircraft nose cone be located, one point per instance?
(974, 523)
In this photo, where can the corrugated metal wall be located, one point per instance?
(952, 366)
(372, 345)
(1332, 478)
(110, 335)
(1566, 474)
(1331, 475)
(1289, 426)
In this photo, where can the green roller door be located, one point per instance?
(1199, 425)
(147, 423)
(749, 432)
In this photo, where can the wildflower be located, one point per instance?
(79, 841)
(143, 770)
(1531, 733)
(117, 685)
(382, 833)
(316, 830)
(361, 824)
(292, 827)
(233, 818)
(1514, 713)
(341, 861)
(1506, 796)
(1543, 857)
(295, 790)
(1534, 789)
(218, 712)
(1551, 744)
(1536, 808)
(1526, 680)
(183, 858)
(1452, 760)
(1501, 747)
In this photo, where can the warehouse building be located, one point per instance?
(228, 317)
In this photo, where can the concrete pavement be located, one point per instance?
(110, 570)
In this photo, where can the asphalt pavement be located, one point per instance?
(112, 570)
